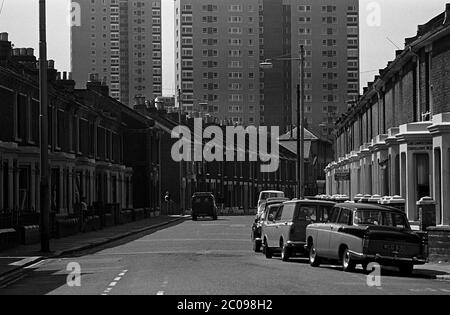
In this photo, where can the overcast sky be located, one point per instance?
(398, 19)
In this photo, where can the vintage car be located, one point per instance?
(204, 205)
(259, 219)
(364, 233)
(266, 194)
(285, 231)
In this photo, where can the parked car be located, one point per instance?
(285, 232)
(259, 219)
(204, 205)
(264, 195)
(362, 233)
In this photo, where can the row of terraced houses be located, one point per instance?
(396, 139)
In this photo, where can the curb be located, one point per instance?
(17, 273)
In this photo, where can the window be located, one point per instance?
(307, 213)
(334, 215)
(345, 217)
(288, 212)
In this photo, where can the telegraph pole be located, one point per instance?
(180, 108)
(43, 100)
(301, 127)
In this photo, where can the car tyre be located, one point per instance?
(406, 269)
(257, 246)
(314, 259)
(194, 218)
(267, 251)
(285, 253)
(348, 265)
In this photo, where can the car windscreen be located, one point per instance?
(265, 196)
(381, 218)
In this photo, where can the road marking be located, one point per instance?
(24, 261)
(115, 282)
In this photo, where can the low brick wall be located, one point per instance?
(439, 243)
(30, 234)
(9, 238)
(67, 227)
(126, 216)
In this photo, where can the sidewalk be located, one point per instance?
(14, 261)
(440, 271)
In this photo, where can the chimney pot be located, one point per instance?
(58, 76)
(16, 52)
(64, 75)
(51, 64)
(30, 52)
(69, 75)
(22, 51)
(4, 37)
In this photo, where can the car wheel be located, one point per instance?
(257, 246)
(267, 251)
(194, 218)
(348, 265)
(215, 218)
(364, 267)
(285, 253)
(406, 269)
(314, 259)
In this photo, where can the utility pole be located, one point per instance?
(43, 100)
(301, 127)
(180, 108)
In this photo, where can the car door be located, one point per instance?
(286, 221)
(275, 231)
(336, 237)
(271, 226)
(324, 234)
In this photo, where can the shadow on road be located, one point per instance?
(125, 240)
(393, 272)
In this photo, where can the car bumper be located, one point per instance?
(297, 246)
(388, 259)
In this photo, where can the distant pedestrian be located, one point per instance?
(84, 208)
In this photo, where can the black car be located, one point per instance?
(259, 219)
(204, 205)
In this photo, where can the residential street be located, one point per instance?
(204, 258)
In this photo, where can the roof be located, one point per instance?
(313, 202)
(292, 136)
(367, 206)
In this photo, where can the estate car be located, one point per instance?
(259, 220)
(364, 233)
(285, 231)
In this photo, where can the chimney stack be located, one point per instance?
(5, 47)
(94, 84)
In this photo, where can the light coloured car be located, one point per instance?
(264, 195)
(285, 232)
(363, 233)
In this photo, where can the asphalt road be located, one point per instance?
(204, 258)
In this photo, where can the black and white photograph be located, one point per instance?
(225, 155)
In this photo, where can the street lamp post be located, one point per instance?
(43, 100)
(300, 118)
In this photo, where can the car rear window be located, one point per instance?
(307, 213)
(198, 200)
(383, 218)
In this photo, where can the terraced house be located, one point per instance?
(99, 149)
(396, 140)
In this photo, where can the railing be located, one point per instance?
(16, 218)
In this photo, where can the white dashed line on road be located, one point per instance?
(115, 282)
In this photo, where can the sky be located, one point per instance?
(384, 24)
